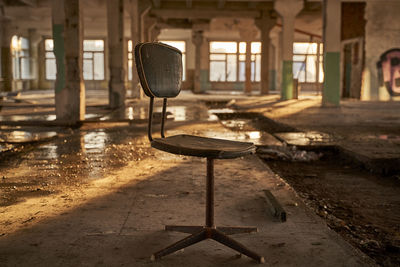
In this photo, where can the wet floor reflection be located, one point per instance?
(311, 138)
(256, 137)
(44, 117)
(39, 117)
(25, 136)
(73, 159)
(179, 113)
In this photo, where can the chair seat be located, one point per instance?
(197, 146)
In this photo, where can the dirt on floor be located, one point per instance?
(362, 207)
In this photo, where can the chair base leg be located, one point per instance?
(228, 230)
(205, 233)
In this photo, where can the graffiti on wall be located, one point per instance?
(389, 71)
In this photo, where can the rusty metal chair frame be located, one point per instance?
(209, 230)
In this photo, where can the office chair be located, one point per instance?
(159, 68)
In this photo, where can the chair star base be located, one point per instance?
(200, 233)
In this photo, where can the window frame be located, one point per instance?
(93, 52)
(319, 71)
(46, 58)
(84, 51)
(238, 55)
(18, 54)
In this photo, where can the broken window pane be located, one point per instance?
(223, 47)
(98, 62)
(231, 68)
(217, 71)
(87, 69)
(255, 47)
(51, 69)
(93, 45)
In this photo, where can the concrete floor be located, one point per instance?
(104, 195)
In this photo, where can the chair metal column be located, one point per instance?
(210, 194)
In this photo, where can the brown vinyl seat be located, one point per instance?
(159, 68)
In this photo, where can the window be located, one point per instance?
(255, 61)
(181, 45)
(308, 62)
(228, 61)
(93, 60)
(130, 60)
(50, 60)
(20, 58)
(223, 61)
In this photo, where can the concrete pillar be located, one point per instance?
(272, 70)
(135, 36)
(34, 40)
(6, 57)
(68, 49)
(265, 24)
(287, 9)
(331, 35)
(248, 36)
(58, 22)
(117, 53)
(149, 23)
(247, 83)
(154, 32)
(143, 16)
(277, 55)
(197, 39)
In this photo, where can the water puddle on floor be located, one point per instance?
(74, 159)
(49, 117)
(25, 136)
(311, 138)
(42, 117)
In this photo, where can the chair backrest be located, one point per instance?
(159, 68)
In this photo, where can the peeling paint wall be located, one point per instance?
(381, 34)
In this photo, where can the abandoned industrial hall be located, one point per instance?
(199, 133)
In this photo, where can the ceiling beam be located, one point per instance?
(204, 13)
(32, 3)
(157, 3)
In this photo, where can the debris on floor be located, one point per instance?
(287, 153)
(274, 206)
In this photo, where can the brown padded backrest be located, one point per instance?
(159, 68)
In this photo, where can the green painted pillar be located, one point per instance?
(6, 57)
(331, 35)
(287, 80)
(68, 49)
(331, 87)
(265, 24)
(197, 39)
(117, 60)
(59, 52)
(287, 9)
